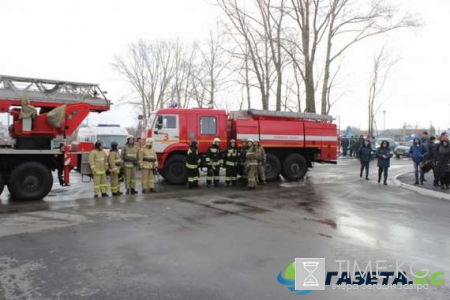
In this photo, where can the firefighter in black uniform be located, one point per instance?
(213, 161)
(231, 164)
(192, 164)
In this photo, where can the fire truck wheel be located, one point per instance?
(272, 167)
(2, 184)
(294, 167)
(175, 170)
(30, 181)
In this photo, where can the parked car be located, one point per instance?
(392, 143)
(403, 150)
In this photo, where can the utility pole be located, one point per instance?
(384, 120)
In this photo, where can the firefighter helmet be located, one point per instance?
(232, 141)
(98, 144)
(148, 142)
(130, 137)
(250, 141)
(216, 140)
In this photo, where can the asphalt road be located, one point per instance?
(220, 243)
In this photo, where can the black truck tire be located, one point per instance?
(175, 169)
(295, 167)
(272, 167)
(2, 184)
(30, 181)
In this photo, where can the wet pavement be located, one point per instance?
(219, 243)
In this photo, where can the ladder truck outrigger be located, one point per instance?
(42, 110)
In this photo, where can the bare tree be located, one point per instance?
(214, 62)
(348, 26)
(132, 66)
(382, 65)
(249, 32)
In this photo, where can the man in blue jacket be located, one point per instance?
(418, 152)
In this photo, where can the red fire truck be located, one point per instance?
(293, 141)
(42, 110)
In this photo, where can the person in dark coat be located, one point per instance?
(365, 155)
(345, 143)
(418, 152)
(442, 136)
(443, 169)
(384, 161)
(431, 157)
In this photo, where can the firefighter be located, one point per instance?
(99, 165)
(242, 152)
(192, 164)
(114, 163)
(251, 164)
(213, 161)
(231, 162)
(261, 161)
(130, 159)
(148, 163)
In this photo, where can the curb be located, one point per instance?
(419, 190)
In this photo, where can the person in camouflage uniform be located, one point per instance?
(261, 161)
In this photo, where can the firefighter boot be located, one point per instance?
(133, 191)
(153, 191)
(105, 195)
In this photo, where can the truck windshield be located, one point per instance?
(151, 120)
(108, 139)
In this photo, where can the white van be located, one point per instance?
(107, 133)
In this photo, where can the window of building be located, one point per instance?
(208, 125)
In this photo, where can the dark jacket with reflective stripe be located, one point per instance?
(193, 159)
(231, 156)
(214, 154)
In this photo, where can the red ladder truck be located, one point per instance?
(42, 110)
(293, 141)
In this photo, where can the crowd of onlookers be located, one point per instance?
(427, 153)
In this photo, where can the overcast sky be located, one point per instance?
(76, 40)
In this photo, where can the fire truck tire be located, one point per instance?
(294, 167)
(272, 167)
(30, 181)
(175, 170)
(2, 184)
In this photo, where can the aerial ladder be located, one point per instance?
(43, 109)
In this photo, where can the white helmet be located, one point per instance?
(256, 141)
(216, 140)
(148, 142)
(250, 141)
(130, 137)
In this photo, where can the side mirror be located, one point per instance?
(159, 123)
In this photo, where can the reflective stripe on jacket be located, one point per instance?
(98, 161)
(148, 158)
